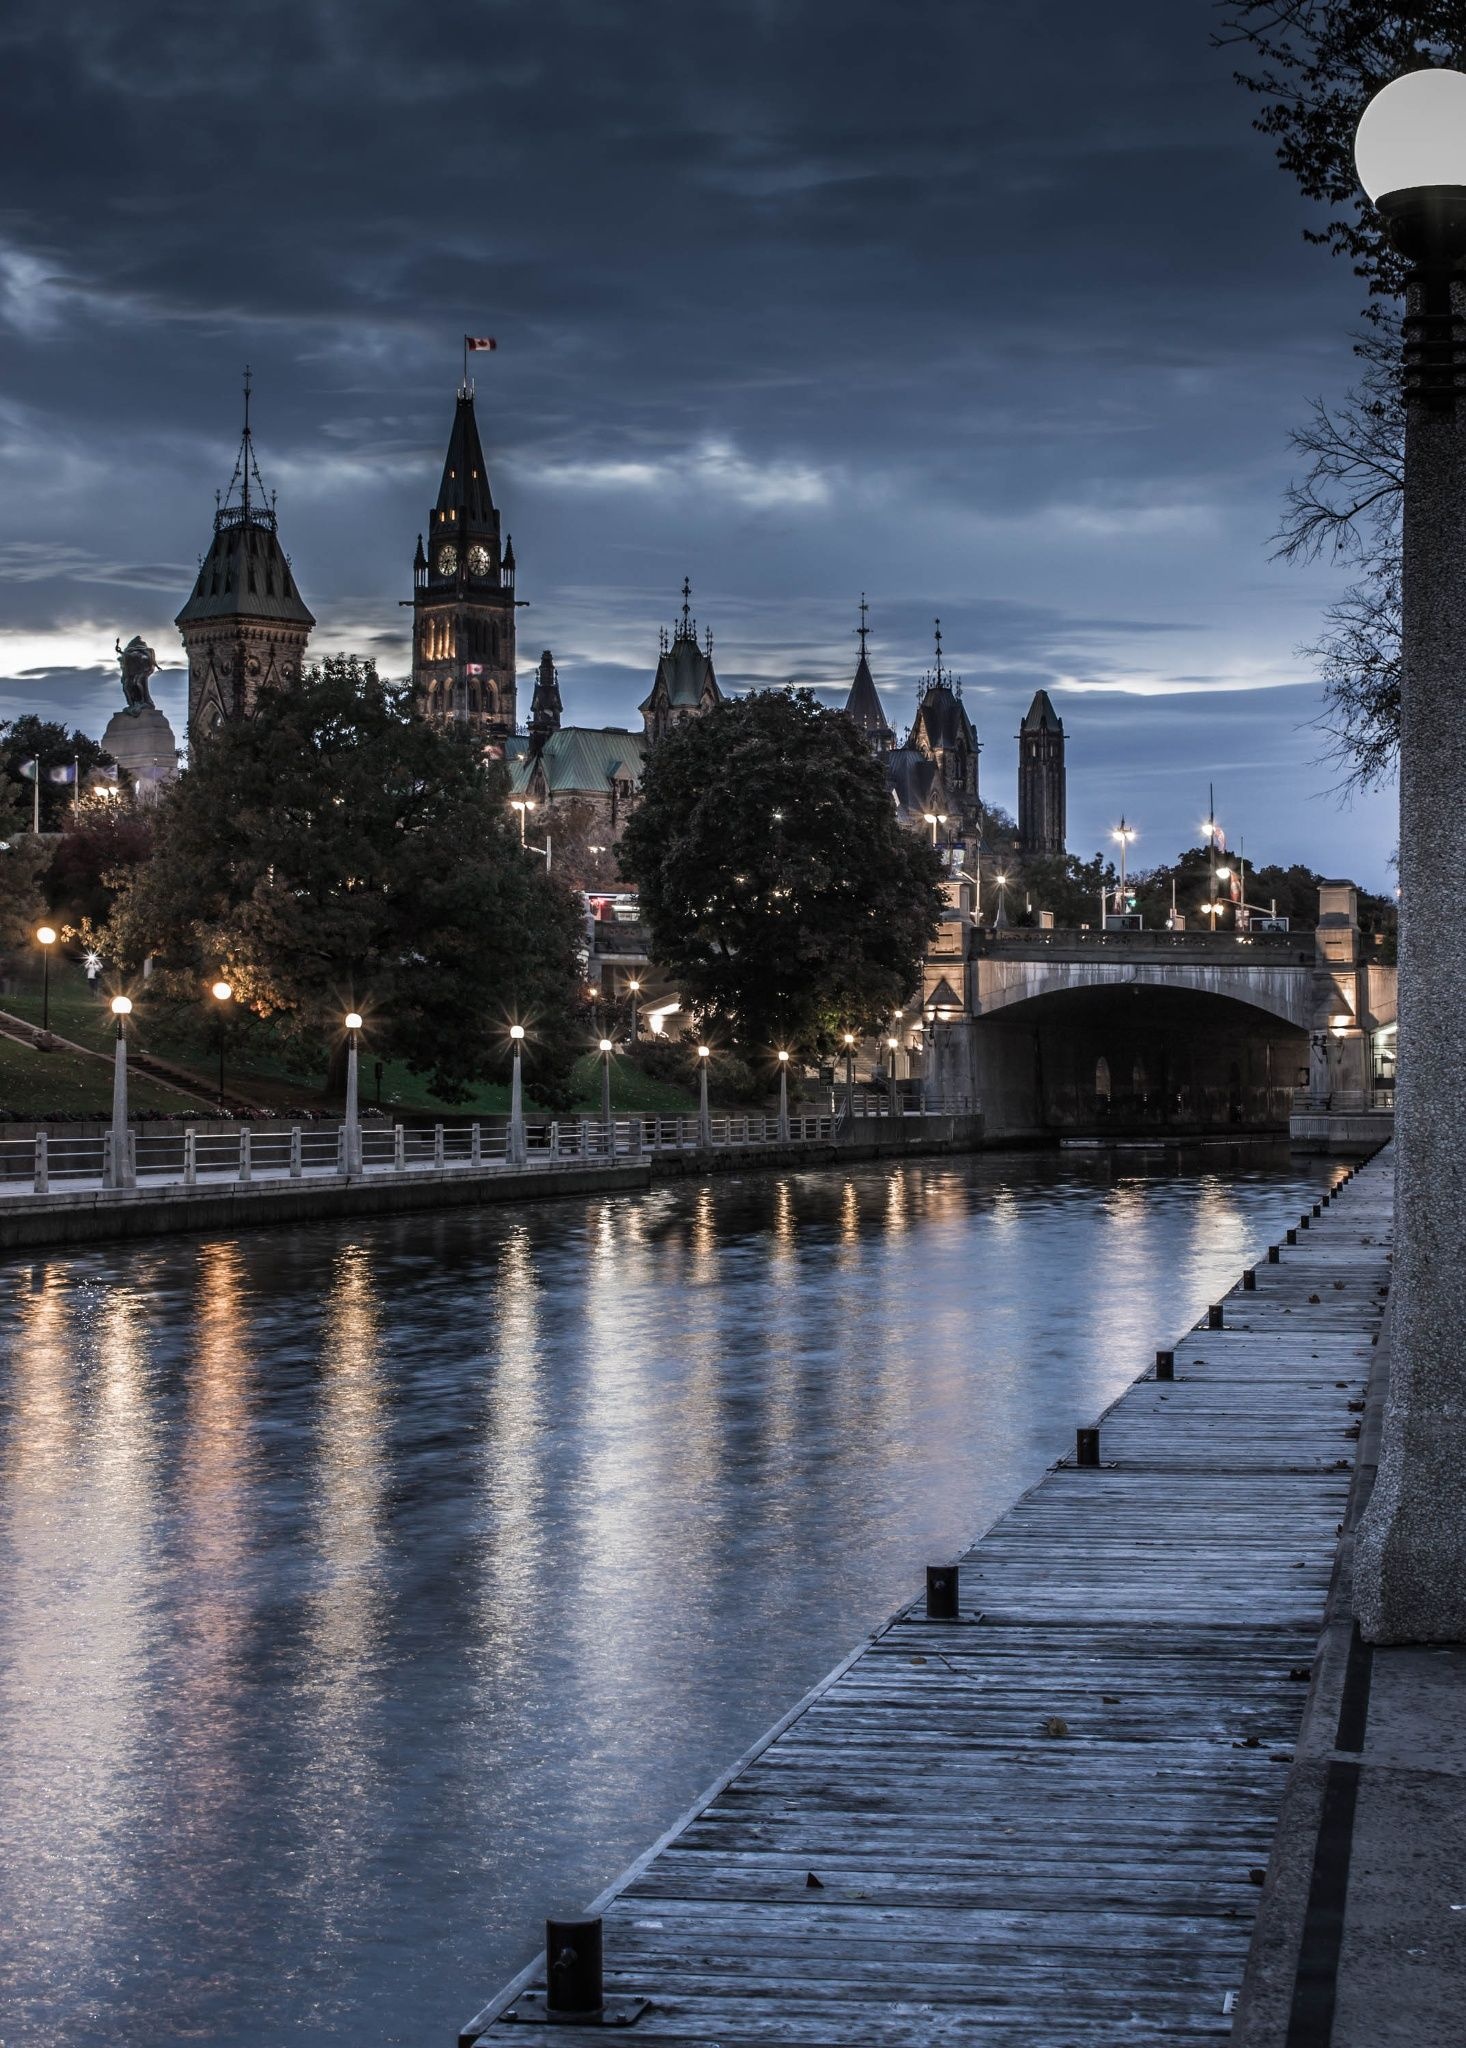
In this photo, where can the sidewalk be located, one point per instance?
(1361, 1935)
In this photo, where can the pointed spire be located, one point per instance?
(420, 560)
(686, 607)
(545, 708)
(863, 705)
(246, 469)
(862, 629)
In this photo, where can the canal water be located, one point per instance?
(368, 1591)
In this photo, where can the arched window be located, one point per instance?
(1102, 1080)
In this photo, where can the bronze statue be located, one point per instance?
(138, 663)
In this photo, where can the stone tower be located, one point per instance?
(1041, 821)
(944, 733)
(463, 597)
(244, 625)
(684, 683)
(545, 710)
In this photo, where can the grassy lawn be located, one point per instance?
(36, 1083)
(255, 1070)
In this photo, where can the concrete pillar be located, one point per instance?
(190, 1159)
(244, 1154)
(1411, 1561)
(295, 1159)
(42, 1166)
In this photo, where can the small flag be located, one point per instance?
(31, 770)
(105, 771)
(63, 774)
(477, 341)
(473, 668)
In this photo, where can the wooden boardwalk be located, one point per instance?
(1044, 1823)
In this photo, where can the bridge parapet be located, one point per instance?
(1213, 949)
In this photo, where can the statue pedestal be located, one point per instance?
(142, 742)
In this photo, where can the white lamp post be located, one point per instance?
(704, 1120)
(518, 1151)
(783, 1098)
(1124, 834)
(222, 993)
(635, 987)
(849, 1077)
(893, 1046)
(353, 1110)
(1411, 1558)
(524, 805)
(934, 818)
(45, 939)
(606, 1050)
(120, 1174)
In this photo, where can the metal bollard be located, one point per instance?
(1318, 1209)
(1165, 1365)
(1214, 1316)
(1249, 1280)
(1303, 1223)
(1292, 1237)
(941, 1592)
(574, 1983)
(1086, 1446)
(1274, 1256)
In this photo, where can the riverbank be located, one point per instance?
(1052, 1813)
(94, 1215)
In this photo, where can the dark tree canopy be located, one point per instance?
(24, 740)
(778, 888)
(103, 839)
(22, 861)
(335, 852)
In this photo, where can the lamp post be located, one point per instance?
(783, 1132)
(606, 1050)
(517, 1152)
(935, 818)
(893, 1046)
(635, 987)
(1124, 834)
(704, 1120)
(1000, 916)
(45, 939)
(353, 1109)
(524, 805)
(849, 1077)
(1411, 1558)
(120, 1174)
(221, 993)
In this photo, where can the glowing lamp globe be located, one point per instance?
(1412, 135)
(122, 1006)
(45, 936)
(222, 991)
(703, 1051)
(516, 1032)
(783, 1058)
(353, 1020)
(605, 1045)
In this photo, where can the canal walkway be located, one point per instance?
(1047, 1821)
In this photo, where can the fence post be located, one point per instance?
(554, 1141)
(132, 1159)
(584, 1139)
(341, 1148)
(244, 1153)
(437, 1145)
(476, 1146)
(42, 1168)
(295, 1159)
(399, 1148)
(107, 1159)
(190, 1158)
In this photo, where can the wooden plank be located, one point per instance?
(1042, 1825)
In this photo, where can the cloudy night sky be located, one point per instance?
(994, 310)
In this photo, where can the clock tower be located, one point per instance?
(463, 597)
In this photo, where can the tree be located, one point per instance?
(335, 852)
(27, 739)
(103, 838)
(22, 858)
(1317, 64)
(1063, 883)
(778, 889)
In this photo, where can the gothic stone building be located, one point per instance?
(1041, 786)
(245, 624)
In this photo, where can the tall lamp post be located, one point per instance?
(45, 939)
(704, 1120)
(1124, 834)
(221, 993)
(893, 1046)
(606, 1049)
(1411, 1559)
(783, 1132)
(517, 1150)
(120, 1174)
(635, 987)
(849, 1078)
(353, 1107)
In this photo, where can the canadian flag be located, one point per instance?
(477, 341)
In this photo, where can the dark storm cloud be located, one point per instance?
(995, 311)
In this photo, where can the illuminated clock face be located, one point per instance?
(447, 560)
(478, 560)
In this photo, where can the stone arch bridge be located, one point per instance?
(1091, 1032)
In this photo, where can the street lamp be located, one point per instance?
(221, 993)
(1125, 834)
(524, 805)
(935, 818)
(606, 1050)
(893, 1046)
(704, 1120)
(517, 1150)
(1001, 915)
(120, 1173)
(353, 1112)
(635, 987)
(1411, 1560)
(849, 1077)
(783, 1132)
(45, 939)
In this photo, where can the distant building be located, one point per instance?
(1041, 791)
(944, 734)
(684, 683)
(463, 605)
(863, 706)
(245, 625)
(599, 765)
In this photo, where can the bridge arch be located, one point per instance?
(1279, 989)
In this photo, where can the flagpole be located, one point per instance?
(36, 810)
(465, 362)
(75, 780)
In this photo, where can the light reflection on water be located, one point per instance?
(366, 1592)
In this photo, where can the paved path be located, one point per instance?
(1046, 1823)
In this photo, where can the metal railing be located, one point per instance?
(1233, 948)
(56, 1162)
